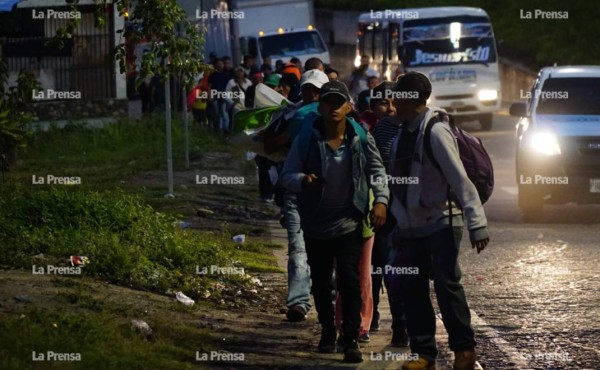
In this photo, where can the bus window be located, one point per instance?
(373, 41)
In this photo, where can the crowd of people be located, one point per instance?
(364, 204)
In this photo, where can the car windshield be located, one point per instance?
(291, 44)
(579, 96)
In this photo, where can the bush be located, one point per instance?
(126, 241)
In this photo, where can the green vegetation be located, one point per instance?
(103, 157)
(535, 42)
(127, 242)
(98, 340)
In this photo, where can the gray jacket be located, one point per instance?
(426, 201)
(364, 167)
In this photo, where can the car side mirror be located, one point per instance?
(518, 109)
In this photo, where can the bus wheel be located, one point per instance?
(486, 121)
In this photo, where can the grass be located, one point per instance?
(132, 238)
(98, 339)
(103, 157)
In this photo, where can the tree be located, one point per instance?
(13, 117)
(155, 22)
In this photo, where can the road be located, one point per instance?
(535, 291)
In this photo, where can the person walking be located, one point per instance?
(332, 188)
(428, 229)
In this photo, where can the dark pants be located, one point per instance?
(439, 252)
(265, 186)
(346, 251)
(379, 260)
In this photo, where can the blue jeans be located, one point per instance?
(437, 252)
(221, 118)
(298, 270)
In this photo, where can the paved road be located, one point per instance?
(534, 293)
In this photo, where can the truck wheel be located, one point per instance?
(486, 121)
(530, 203)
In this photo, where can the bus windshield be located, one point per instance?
(291, 44)
(448, 44)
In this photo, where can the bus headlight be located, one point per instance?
(487, 95)
(545, 143)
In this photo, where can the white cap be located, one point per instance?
(314, 77)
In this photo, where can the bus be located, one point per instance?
(453, 46)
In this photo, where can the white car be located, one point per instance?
(558, 139)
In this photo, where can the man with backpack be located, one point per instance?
(328, 166)
(426, 174)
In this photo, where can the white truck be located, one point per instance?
(453, 46)
(280, 29)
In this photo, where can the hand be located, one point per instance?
(378, 215)
(313, 183)
(480, 244)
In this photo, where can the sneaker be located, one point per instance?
(352, 352)
(419, 364)
(364, 338)
(327, 342)
(399, 337)
(296, 313)
(464, 360)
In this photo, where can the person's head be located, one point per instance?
(218, 63)
(227, 63)
(334, 102)
(267, 61)
(212, 57)
(311, 84)
(287, 82)
(332, 74)
(314, 63)
(266, 69)
(279, 66)
(410, 94)
(365, 60)
(273, 81)
(373, 81)
(297, 63)
(248, 61)
(240, 74)
(257, 77)
(292, 68)
(382, 102)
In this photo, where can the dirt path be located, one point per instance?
(269, 341)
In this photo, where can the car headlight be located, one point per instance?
(487, 95)
(545, 143)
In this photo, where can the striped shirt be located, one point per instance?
(384, 134)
